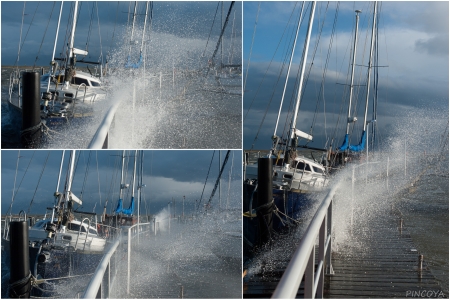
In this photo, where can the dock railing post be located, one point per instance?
(322, 241)
(420, 263)
(329, 268)
(309, 275)
(129, 261)
(108, 281)
(387, 175)
(353, 191)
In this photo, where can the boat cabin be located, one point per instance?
(78, 79)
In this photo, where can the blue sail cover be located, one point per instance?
(360, 147)
(119, 207)
(344, 144)
(130, 209)
(136, 65)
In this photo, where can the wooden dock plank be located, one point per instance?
(378, 261)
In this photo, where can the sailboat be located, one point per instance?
(60, 244)
(294, 175)
(124, 217)
(346, 147)
(295, 178)
(66, 92)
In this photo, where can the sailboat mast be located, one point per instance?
(134, 174)
(140, 185)
(69, 181)
(60, 171)
(69, 68)
(74, 25)
(370, 63)
(132, 26)
(122, 185)
(349, 119)
(302, 74)
(145, 25)
(54, 46)
(289, 70)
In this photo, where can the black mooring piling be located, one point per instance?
(20, 276)
(31, 110)
(265, 199)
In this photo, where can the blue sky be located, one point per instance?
(191, 21)
(413, 44)
(169, 174)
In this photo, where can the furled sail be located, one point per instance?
(130, 209)
(344, 144)
(360, 147)
(119, 206)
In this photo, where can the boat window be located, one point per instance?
(317, 170)
(280, 162)
(94, 83)
(76, 227)
(92, 231)
(78, 81)
(301, 166)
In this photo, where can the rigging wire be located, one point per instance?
(251, 47)
(207, 175)
(312, 62)
(222, 31)
(322, 87)
(14, 186)
(20, 37)
(45, 32)
(40, 177)
(85, 175)
(218, 178)
(270, 100)
(99, 35)
(88, 39)
(207, 41)
(31, 23)
(67, 35)
(270, 64)
(20, 184)
(229, 179)
(114, 31)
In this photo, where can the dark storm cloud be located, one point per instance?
(168, 174)
(414, 73)
(181, 18)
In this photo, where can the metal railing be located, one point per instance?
(303, 260)
(134, 231)
(87, 233)
(100, 138)
(100, 284)
(102, 281)
(78, 88)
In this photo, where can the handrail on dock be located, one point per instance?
(302, 262)
(102, 281)
(99, 140)
(96, 287)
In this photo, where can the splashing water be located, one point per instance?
(366, 192)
